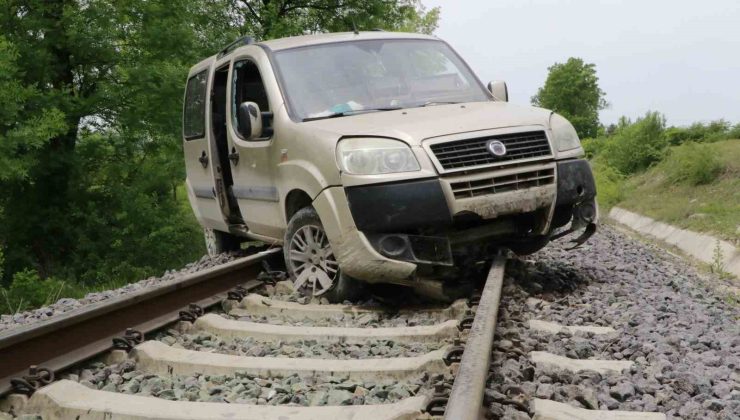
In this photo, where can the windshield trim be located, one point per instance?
(281, 81)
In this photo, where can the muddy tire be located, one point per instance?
(529, 247)
(310, 260)
(218, 242)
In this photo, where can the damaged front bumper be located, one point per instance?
(576, 201)
(382, 232)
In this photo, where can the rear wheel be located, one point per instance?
(310, 260)
(218, 242)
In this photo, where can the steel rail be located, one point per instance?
(84, 333)
(466, 397)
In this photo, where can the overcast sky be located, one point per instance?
(679, 57)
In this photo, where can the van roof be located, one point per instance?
(326, 38)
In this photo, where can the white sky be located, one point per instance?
(679, 57)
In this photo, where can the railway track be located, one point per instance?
(155, 355)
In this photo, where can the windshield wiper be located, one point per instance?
(431, 103)
(353, 112)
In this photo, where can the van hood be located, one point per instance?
(413, 125)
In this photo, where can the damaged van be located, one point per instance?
(375, 157)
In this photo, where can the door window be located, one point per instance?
(247, 86)
(194, 113)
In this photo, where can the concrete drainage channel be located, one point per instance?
(263, 357)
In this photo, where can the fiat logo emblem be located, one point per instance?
(497, 148)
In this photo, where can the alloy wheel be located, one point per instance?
(312, 260)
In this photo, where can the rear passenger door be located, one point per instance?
(200, 158)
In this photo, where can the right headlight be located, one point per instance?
(565, 135)
(372, 156)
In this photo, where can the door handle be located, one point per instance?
(203, 159)
(234, 156)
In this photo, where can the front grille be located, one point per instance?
(504, 183)
(472, 152)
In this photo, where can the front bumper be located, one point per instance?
(427, 215)
(353, 251)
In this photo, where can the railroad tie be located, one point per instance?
(233, 329)
(68, 400)
(554, 328)
(158, 358)
(551, 410)
(257, 305)
(546, 359)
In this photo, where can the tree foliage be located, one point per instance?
(572, 90)
(90, 103)
(21, 133)
(268, 19)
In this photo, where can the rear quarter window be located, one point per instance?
(194, 113)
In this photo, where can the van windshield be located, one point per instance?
(345, 78)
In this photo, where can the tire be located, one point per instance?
(310, 261)
(218, 242)
(530, 246)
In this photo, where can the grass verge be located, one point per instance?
(696, 189)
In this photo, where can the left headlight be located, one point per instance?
(564, 133)
(371, 156)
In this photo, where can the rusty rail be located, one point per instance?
(466, 398)
(81, 334)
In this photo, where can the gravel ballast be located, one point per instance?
(373, 349)
(683, 338)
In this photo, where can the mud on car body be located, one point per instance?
(375, 157)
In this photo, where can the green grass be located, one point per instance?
(705, 198)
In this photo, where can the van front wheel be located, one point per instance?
(311, 262)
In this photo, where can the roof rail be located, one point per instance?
(245, 40)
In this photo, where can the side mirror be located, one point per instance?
(249, 119)
(499, 90)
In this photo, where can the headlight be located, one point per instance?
(370, 156)
(564, 134)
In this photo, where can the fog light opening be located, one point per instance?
(393, 245)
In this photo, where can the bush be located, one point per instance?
(734, 133)
(609, 184)
(592, 147)
(699, 132)
(28, 290)
(692, 163)
(636, 146)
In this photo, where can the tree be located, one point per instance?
(90, 104)
(268, 19)
(76, 72)
(572, 90)
(635, 146)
